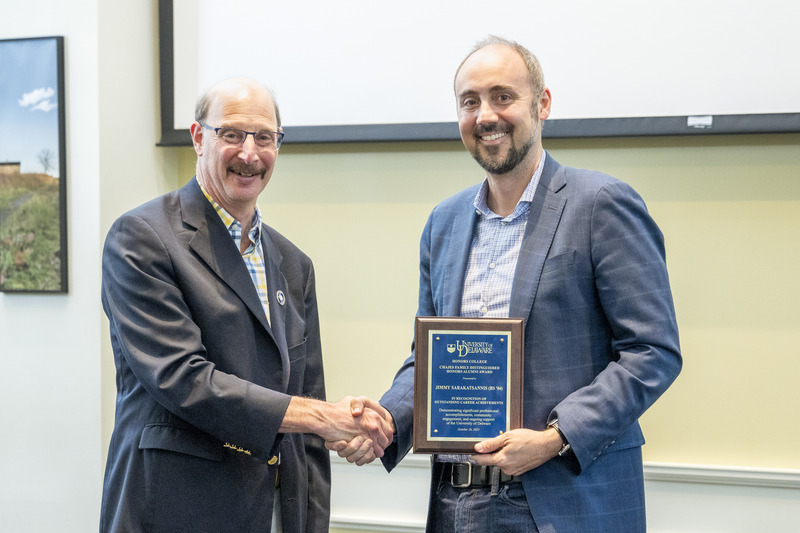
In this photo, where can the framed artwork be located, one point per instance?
(33, 178)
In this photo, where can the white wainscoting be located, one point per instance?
(680, 498)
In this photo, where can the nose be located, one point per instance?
(249, 151)
(486, 113)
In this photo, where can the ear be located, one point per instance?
(196, 131)
(544, 104)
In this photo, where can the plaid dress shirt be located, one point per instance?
(253, 256)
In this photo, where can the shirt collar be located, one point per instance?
(524, 201)
(231, 223)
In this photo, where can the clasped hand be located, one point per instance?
(365, 448)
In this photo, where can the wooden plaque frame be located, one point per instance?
(467, 367)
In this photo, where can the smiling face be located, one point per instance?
(499, 116)
(234, 175)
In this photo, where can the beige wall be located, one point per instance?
(730, 210)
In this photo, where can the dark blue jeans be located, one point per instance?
(476, 510)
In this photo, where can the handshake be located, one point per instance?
(358, 429)
(366, 435)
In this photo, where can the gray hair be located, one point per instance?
(205, 100)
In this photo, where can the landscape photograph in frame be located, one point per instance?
(33, 243)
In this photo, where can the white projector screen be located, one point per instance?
(372, 70)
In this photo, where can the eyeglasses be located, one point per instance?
(268, 140)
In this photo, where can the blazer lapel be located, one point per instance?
(456, 259)
(213, 244)
(277, 294)
(545, 214)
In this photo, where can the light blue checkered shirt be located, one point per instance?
(492, 261)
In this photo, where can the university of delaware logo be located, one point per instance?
(465, 348)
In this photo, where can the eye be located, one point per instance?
(231, 135)
(264, 138)
(470, 103)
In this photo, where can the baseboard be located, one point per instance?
(680, 497)
(723, 475)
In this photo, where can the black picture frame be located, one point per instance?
(33, 166)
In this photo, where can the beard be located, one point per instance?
(488, 157)
(502, 166)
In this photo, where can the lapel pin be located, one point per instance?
(281, 298)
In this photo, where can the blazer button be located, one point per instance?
(272, 460)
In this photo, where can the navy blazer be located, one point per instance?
(601, 339)
(204, 380)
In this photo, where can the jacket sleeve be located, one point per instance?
(632, 286)
(155, 335)
(399, 399)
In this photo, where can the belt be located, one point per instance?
(462, 475)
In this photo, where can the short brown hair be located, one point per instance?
(535, 73)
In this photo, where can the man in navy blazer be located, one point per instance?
(576, 254)
(215, 333)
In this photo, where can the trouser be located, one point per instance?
(475, 505)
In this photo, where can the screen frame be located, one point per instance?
(448, 131)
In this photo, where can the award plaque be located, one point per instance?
(467, 381)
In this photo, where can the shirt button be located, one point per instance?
(492, 265)
(484, 310)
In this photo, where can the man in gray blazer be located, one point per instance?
(215, 332)
(576, 254)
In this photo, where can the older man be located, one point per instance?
(215, 334)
